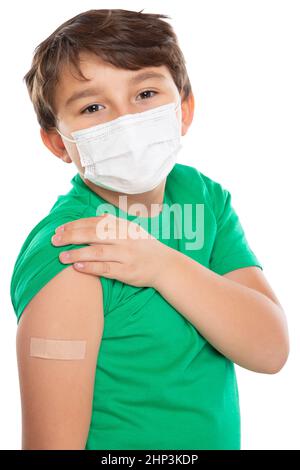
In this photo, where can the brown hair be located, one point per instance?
(124, 38)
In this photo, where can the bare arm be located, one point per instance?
(237, 313)
(56, 395)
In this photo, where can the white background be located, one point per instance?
(243, 62)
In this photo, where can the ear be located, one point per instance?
(53, 141)
(187, 110)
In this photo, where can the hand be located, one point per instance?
(120, 249)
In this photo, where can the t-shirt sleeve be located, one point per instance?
(38, 262)
(231, 249)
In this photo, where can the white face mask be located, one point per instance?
(133, 153)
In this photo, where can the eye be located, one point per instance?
(147, 91)
(92, 106)
(89, 107)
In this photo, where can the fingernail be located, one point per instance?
(65, 255)
(79, 265)
(60, 229)
(56, 238)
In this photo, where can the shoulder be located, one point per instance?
(212, 192)
(38, 260)
(61, 302)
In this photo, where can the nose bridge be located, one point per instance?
(122, 106)
(122, 110)
(118, 101)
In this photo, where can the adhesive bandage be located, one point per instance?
(57, 348)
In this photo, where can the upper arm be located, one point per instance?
(57, 395)
(231, 249)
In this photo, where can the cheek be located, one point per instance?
(74, 155)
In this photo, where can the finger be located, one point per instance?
(82, 236)
(80, 223)
(114, 228)
(95, 252)
(110, 269)
(110, 228)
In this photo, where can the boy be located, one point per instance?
(159, 372)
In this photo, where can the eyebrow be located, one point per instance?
(93, 91)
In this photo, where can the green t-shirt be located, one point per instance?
(159, 383)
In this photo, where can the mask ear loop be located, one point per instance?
(67, 138)
(177, 104)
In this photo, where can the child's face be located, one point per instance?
(113, 92)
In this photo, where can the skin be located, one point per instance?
(245, 300)
(119, 97)
(56, 395)
(238, 312)
(255, 304)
